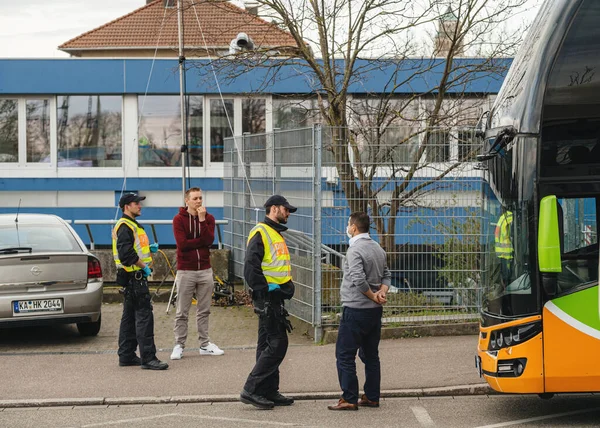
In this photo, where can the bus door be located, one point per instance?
(571, 319)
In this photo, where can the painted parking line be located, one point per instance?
(130, 420)
(541, 418)
(422, 416)
(178, 415)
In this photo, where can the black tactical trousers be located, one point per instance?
(270, 352)
(137, 322)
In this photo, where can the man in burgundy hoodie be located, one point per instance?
(194, 231)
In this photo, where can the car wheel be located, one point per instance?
(89, 328)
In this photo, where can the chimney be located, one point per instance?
(149, 1)
(251, 7)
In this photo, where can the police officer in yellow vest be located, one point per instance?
(503, 246)
(267, 271)
(131, 251)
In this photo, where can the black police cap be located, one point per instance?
(128, 198)
(280, 200)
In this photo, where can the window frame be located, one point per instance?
(22, 135)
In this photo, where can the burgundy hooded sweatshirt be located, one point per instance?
(193, 238)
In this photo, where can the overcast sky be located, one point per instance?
(35, 28)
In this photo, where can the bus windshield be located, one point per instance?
(509, 283)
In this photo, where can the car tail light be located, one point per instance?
(94, 268)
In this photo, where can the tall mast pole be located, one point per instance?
(184, 146)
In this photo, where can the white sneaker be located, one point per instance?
(177, 352)
(211, 349)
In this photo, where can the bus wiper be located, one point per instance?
(503, 138)
(15, 250)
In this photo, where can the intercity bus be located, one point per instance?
(540, 320)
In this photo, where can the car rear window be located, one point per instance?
(40, 238)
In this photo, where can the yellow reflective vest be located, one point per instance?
(275, 264)
(141, 244)
(503, 245)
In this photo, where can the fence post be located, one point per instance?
(317, 280)
(247, 193)
(271, 160)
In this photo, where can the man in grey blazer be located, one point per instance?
(364, 286)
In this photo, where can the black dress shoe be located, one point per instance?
(256, 400)
(280, 400)
(155, 365)
(135, 361)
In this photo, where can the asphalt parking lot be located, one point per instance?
(230, 327)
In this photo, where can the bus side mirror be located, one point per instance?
(481, 126)
(549, 244)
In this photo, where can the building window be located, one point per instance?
(468, 145)
(221, 116)
(295, 113)
(254, 122)
(402, 145)
(160, 130)
(438, 147)
(89, 131)
(396, 145)
(9, 131)
(38, 131)
(195, 130)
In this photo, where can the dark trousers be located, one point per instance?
(506, 266)
(137, 323)
(270, 352)
(360, 330)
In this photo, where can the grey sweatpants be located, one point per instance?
(189, 282)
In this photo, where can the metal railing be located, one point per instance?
(151, 223)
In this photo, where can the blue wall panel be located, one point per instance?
(116, 184)
(132, 76)
(61, 76)
(101, 233)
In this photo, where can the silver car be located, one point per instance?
(47, 275)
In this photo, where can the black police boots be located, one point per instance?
(155, 365)
(280, 400)
(135, 361)
(256, 400)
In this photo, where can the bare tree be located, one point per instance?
(343, 43)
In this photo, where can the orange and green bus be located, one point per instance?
(540, 317)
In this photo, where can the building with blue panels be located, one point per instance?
(75, 133)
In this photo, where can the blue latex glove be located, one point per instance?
(147, 271)
(154, 247)
(273, 287)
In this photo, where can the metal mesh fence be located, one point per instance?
(419, 187)
(258, 166)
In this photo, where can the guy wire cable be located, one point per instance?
(223, 102)
(140, 113)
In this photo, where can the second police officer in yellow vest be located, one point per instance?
(503, 246)
(267, 271)
(132, 254)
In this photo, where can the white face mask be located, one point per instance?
(348, 232)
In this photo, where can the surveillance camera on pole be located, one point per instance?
(242, 42)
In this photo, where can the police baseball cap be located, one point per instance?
(280, 200)
(128, 198)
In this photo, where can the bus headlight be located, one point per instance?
(511, 368)
(512, 336)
